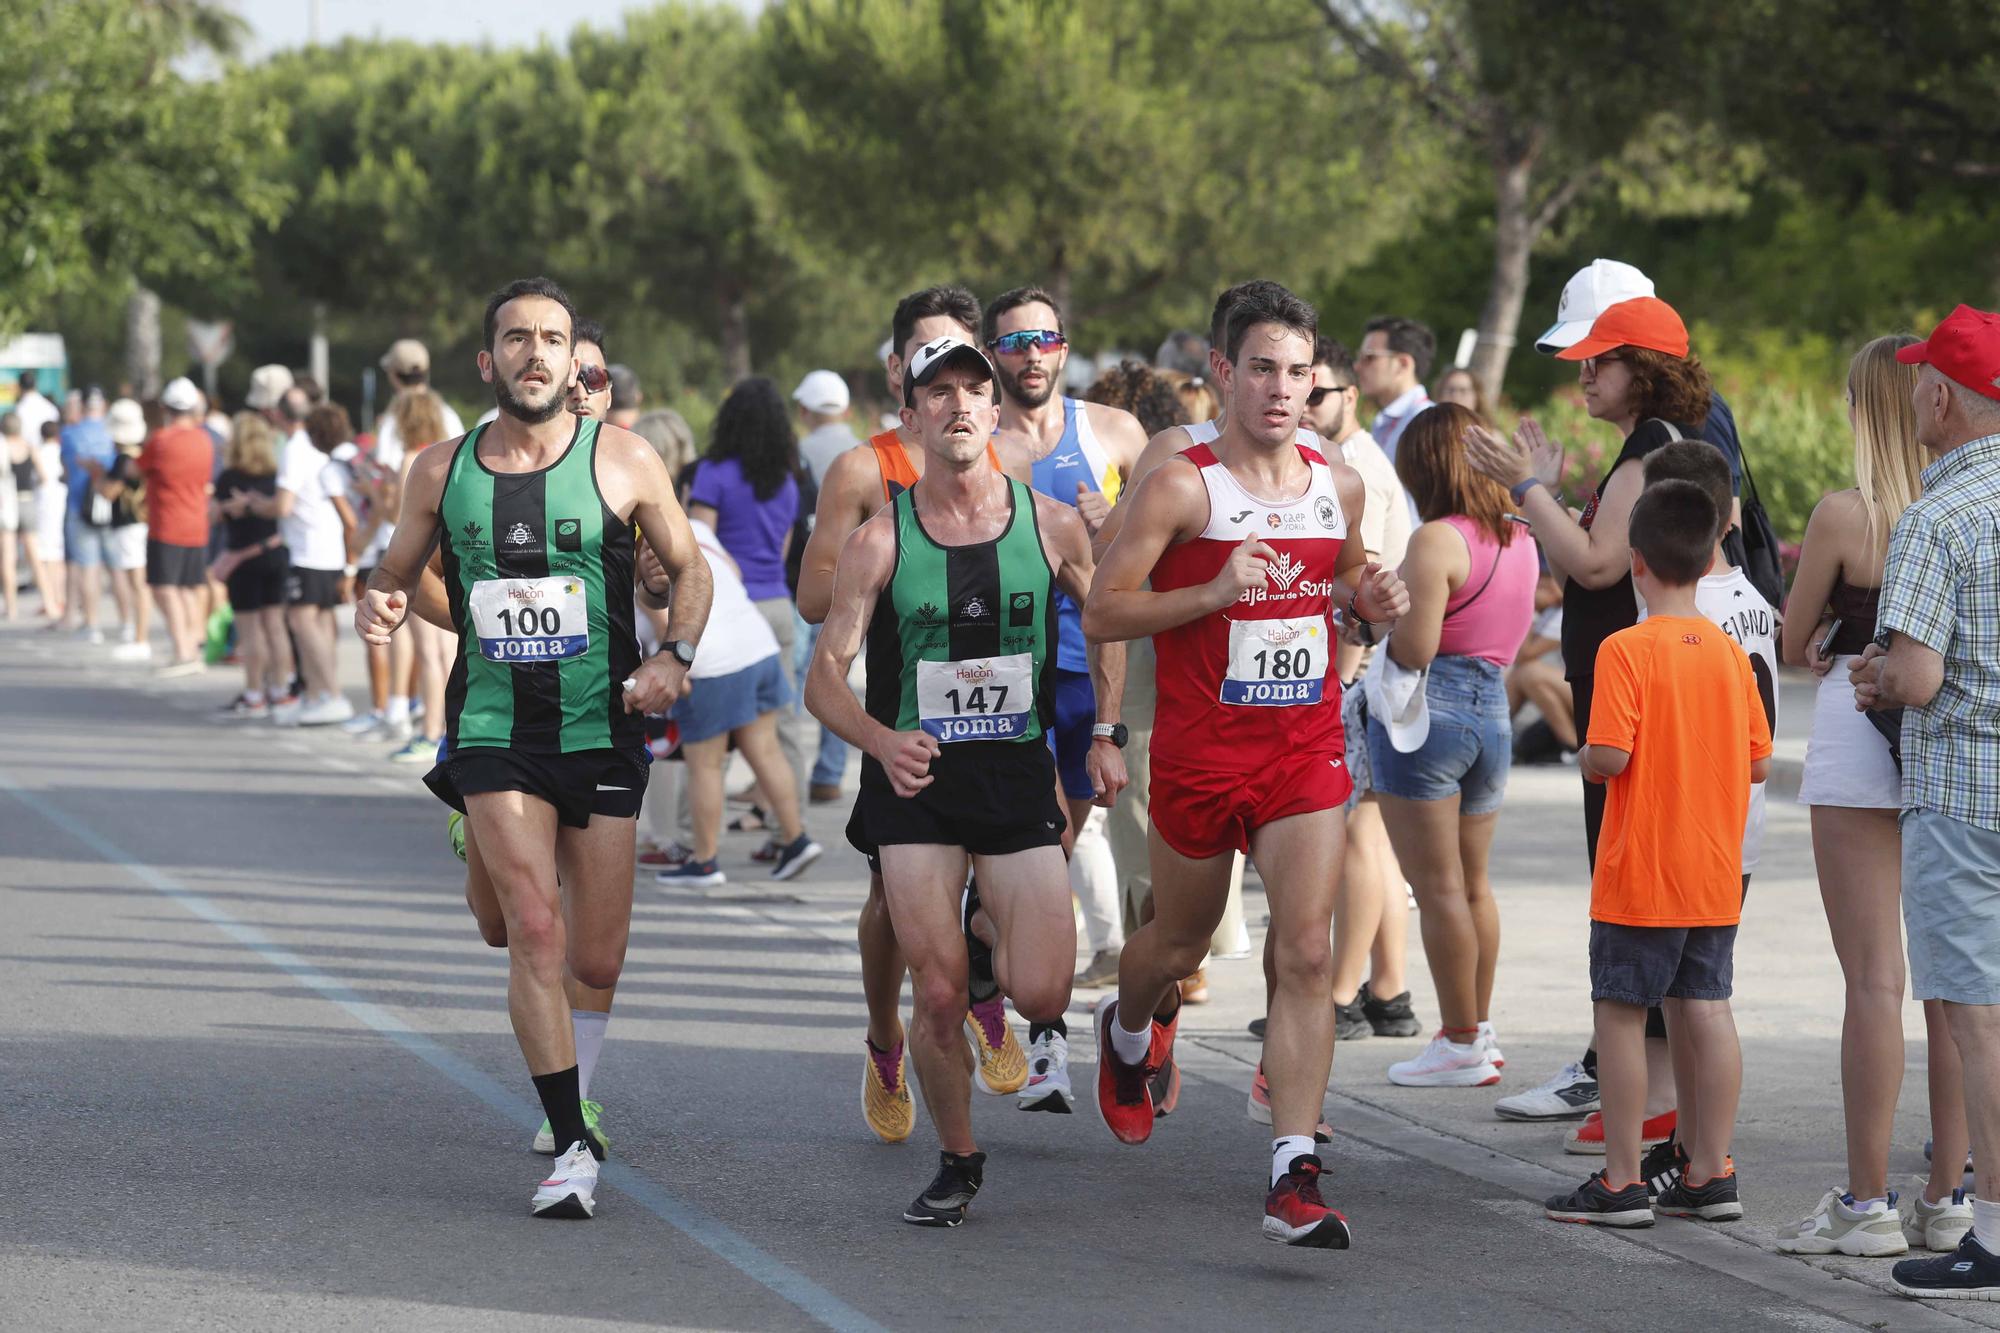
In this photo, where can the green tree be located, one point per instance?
(115, 164)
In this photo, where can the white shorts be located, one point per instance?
(126, 546)
(51, 505)
(1847, 760)
(10, 505)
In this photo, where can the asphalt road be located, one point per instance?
(257, 1073)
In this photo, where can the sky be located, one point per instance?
(278, 24)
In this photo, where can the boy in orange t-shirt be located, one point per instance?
(1677, 734)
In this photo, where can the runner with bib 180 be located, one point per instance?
(1235, 557)
(952, 588)
(547, 759)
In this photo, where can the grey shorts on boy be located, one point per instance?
(1646, 964)
(1951, 907)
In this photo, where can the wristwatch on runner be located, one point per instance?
(1114, 732)
(682, 650)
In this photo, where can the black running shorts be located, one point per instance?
(579, 785)
(989, 797)
(170, 566)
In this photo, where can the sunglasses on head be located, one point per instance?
(594, 379)
(1014, 344)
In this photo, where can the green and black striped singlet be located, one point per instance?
(962, 641)
(539, 572)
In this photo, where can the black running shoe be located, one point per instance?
(1662, 1166)
(1350, 1021)
(1165, 1085)
(1595, 1203)
(1257, 1028)
(1711, 1201)
(943, 1203)
(1392, 1017)
(1968, 1273)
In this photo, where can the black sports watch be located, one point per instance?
(1114, 732)
(682, 650)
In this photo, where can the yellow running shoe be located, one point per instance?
(885, 1094)
(1000, 1065)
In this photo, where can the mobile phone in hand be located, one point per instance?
(1824, 648)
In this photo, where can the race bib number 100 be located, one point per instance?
(531, 620)
(1276, 662)
(981, 699)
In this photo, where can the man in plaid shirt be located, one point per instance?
(1940, 617)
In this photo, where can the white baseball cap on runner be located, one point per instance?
(1589, 292)
(928, 361)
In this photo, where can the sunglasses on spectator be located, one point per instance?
(1015, 344)
(594, 379)
(1318, 396)
(1590, 364)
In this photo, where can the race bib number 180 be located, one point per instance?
(1276, 662)
(979, 699)
(531, 620)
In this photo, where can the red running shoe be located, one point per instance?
(1123, 1098)
(1164, 1080)
(1294, 1214)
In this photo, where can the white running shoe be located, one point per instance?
(571, 1189)
(285, 712)
(132, 651)
(1446, 1064)
(1047, 1088)
(363, 725)
(1570, 1095)
(1937, 1227)
(1491, 1042)
(1836, 1226)
(326, 711)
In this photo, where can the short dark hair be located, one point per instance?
(1673, 530)
(1014, 300)
(948, 300)
(1408, 337)
(328, 428)
(10, 423)
(587, 331)
(1333, 354)
(518, 288)
(1218, 320)
(295, 404)
(27, 381)
(1272, 306)
(1184, 352)
(52, 430)
(1697, 461)
(624, 386)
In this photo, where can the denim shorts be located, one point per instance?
(1470, 746)
(717, 705)
(84, 544)
(1951, 907)
(1646, 964)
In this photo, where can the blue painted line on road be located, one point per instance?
(708, 1232)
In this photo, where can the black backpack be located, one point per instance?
(1754, 546)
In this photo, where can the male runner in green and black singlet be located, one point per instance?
(951, 587)
(535, 512)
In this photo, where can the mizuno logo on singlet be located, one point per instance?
(1067, 460)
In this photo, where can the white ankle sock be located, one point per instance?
(1870, 1205)
(589, 1027)
(1286, 1150)
(1986, 1225)
(1131, 1046)
(399, 708)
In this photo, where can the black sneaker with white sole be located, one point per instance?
(795, 856)
(1711, 1201)
(1393, 1017)
(1662, 1166)
(1968, 1273)
(943, 1203)
(1596, 1204)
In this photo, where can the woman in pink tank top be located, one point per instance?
(1471, 572)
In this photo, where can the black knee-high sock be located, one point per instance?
(981, 985)
(562, 1103)
(1058, 1025)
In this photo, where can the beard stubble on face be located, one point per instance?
(503, 396)
(1011, 383)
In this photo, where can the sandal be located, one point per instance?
(753, 820)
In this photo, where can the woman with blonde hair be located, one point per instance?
(419, 661)
(1853, 785)
(254, 566)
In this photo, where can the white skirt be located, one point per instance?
(1847, 760)
(51, 501)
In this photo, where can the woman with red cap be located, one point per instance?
(1638, 374)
